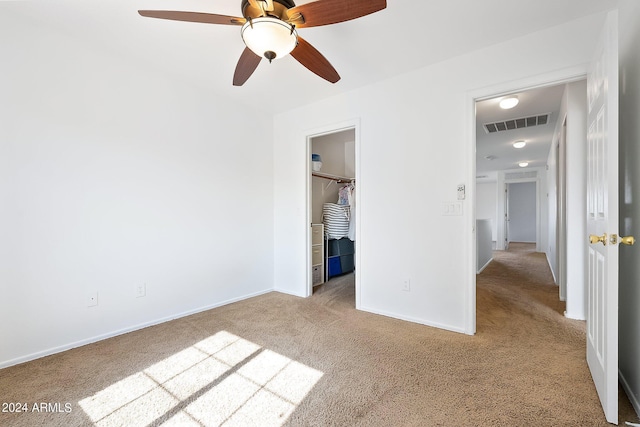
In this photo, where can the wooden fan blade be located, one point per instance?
(326, 12)
(315, 62)
(247, 64)
(205, 18)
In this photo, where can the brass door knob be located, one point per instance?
(629, 240)
(593, 239)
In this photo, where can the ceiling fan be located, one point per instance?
(269, 29)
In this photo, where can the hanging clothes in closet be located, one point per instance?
(347, 196)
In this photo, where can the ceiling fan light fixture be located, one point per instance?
(269, 37)
(509, 102)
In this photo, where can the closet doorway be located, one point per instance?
(332, 208)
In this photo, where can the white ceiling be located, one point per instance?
(405, 36)
(498, 146)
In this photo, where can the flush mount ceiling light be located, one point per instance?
(509, 102)
(523, 164)
(519, 144)
(269, 37)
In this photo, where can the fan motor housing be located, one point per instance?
(280, 8)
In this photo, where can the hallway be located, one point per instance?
(517, 300)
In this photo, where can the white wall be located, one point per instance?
(483, 244)
(416, 129)
(323, 191)
(576, 143)
(112, 176)
(486, 205)
(574, 110)
(337, 152)
(629, 320)
(553, 163)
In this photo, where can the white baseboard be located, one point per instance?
(574, 317)
(627, 389)
(484, 266)
(415, 320)
(286, 292)
(553, 273)
(80, 343)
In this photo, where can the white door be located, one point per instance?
(602, 219)
(522, 212)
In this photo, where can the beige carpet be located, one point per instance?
(281, 360)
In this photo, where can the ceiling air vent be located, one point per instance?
(519, 123)
(521, 175)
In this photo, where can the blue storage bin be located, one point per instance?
(345, 247)
(347, 264)
(333, 248)
(334, 266)
(342, 246)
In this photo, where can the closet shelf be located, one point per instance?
(337, 178)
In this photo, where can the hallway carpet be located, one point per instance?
(281, 360)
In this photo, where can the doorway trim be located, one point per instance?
(557, 77)
(309, 136)
(561, 210)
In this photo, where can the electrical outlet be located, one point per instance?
(141, 290)
(92, 299)
(406, 285)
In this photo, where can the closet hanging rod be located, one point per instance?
(338, 179)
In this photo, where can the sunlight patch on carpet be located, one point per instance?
(222, 380)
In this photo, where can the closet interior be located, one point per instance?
(333, 189)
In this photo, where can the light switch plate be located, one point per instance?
(452, 209)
